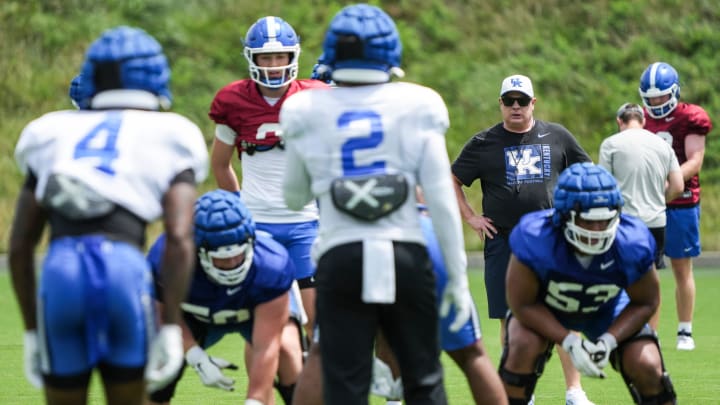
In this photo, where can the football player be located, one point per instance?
(241, 285)
(464, 346)
(246, 116)
(685, 126)
(361, 149)
(98, 177)
(584, 266)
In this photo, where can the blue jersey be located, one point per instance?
(271, 275)
(583, 299)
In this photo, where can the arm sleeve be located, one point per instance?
(225, 134)
(435, 179)
(193, 153)
(605, 156)
(698, 121)
(519, 246)
(217, 111)
(297, 190)
(24, 148)
(674, 164)
(297, 184)
(574, 152)
(465, 167)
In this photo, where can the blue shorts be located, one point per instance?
(470, 332)
(297, 238)
(497, 256)
(95, 304)
(467, 335)
(682, 232)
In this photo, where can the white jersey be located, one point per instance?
(262, 176)
(641, 162)
(397, 126)
(128, 157)
(261, 187)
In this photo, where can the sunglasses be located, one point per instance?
(510, 101)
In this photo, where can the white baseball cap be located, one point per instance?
(517, 83)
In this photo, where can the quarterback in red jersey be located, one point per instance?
(246, 114)
(685, 126)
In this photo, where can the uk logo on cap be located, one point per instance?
(518, 83)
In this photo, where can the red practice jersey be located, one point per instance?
(242, 107)
(684, 120)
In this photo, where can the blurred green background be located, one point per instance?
(585, 59)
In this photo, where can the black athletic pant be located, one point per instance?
(348, 326)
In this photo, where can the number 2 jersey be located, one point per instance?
(128, 157)
(583, 299)
(391, 128)
(270, 276)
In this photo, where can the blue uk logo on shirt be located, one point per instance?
(526, 164)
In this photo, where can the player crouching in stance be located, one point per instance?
(241, 285)
(584, 266)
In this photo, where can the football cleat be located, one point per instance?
(576, 396)
(685, 341)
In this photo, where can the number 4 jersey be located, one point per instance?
(124, 157)
(583, 297)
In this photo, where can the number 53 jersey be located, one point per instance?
(583, 297)
(128, 157)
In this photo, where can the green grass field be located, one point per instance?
(695, 374)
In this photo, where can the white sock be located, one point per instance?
(685, 326)
(390, 402)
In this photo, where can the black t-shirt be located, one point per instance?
(517, 172)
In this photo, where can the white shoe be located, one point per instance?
(576, 396)
(685, 341)
(532, 400)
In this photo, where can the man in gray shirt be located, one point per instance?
(647, 172)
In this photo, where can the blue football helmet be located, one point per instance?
(224, 229)
(321, 72)
(362, 45)
(272, 35)
(589, 192)
(76, 96)
(125, 58)
(657, 80)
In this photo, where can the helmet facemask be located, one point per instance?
(658, 80)
(264, 75)
(584, 194)
(227, 277)
(590, 241)
(662, 110)
(272, 35)
(224, 229)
